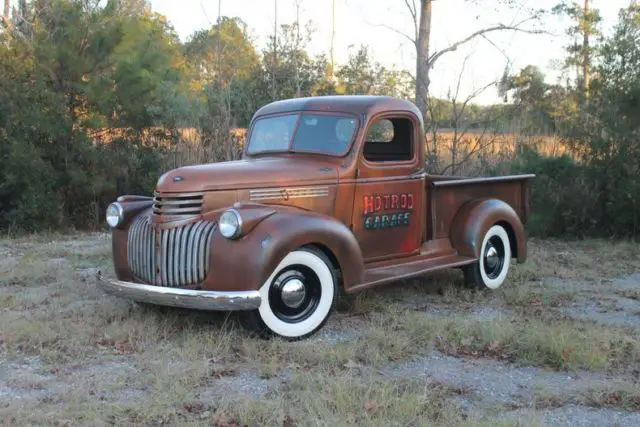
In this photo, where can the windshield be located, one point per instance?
(316, 133)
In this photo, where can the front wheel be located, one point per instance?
(298, 297)
(491, 269)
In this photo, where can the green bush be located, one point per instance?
(560, 196)
(571, 199)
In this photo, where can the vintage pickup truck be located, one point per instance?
(331, 197)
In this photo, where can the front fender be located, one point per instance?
(246, 263)
(475, 218)
(131, 207)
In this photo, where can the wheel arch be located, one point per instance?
(476, 217)
(326, 234)
(335, 262)
(246, 263)
(513, 240)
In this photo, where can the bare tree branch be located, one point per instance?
(457, 114)
(498, 48)
(500, 27)
(478, 147)
(421, 14)
(457, 92)
(204, 12)
(408, 37)
(458, 111)
(411, 5)
(478, 91)
(414, 15)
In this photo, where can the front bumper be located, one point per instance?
(183, 298)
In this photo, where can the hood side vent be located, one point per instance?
(177, 203)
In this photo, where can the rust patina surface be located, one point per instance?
(369, 205)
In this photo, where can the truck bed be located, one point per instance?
(446, 194)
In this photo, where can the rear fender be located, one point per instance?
(475, 218)
(246, 263)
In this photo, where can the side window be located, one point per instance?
(389, 140)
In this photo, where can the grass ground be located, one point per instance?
(560, 342)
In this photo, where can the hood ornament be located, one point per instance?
(178, 178)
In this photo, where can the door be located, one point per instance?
(389, 194)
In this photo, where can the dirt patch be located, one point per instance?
(30, 381)
(575, 415)
(246, 384)
(494, 382)
(609, 301)
(610, 310)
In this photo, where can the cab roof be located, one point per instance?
(354, 104)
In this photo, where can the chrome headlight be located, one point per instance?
(115, 214)
(230, 224)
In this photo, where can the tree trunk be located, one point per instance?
(5, 19)
(422, 58)
(333, 36)
(297, 49)
(274, 90)
(585, 52)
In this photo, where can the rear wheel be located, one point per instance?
(491, 269)
(298, 297)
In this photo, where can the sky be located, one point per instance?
(361, 22)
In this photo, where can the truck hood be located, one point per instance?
(248, 173)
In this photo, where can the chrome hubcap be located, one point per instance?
(293, 293)
(492, 257)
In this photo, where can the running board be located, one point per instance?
(380, 275)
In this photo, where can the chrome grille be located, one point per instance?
(177, 204)
(170, 257)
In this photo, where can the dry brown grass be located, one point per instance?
(623, 395)
(540, 341)
(475, 149)
(348, 400)
(91, 359)
(495, 143)
(186, 146)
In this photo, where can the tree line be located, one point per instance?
(96, 99)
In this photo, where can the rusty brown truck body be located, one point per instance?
(331, 197)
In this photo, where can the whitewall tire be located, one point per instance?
(492, 267)
(297, 298)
